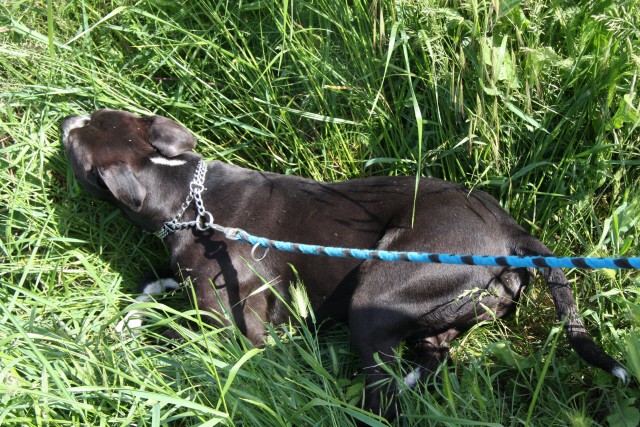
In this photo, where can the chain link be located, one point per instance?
(204, 218)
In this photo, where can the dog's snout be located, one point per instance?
(73, 122)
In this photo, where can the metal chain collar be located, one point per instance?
(204, 218)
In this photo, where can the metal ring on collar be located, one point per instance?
(200, 226)
(196, 187)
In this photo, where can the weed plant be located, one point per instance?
(534, 102)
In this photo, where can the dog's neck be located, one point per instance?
(168, 184)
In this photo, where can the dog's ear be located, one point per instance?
(169, 137)
(123, 184)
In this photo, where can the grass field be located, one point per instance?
(534, 102)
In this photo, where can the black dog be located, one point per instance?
(146, 166)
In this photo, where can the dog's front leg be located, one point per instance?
(227, 304)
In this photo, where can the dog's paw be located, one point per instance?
(411, 380)
(131, 321)
(135, 318)
(620, 372)
(157, 287)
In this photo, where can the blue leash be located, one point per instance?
(204, 221)
(425, 257)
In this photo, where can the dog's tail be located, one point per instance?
(579, 339)
(567, 312)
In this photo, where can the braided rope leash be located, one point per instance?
(204, 221)
(433, 258)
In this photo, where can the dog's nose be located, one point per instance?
(72, 122)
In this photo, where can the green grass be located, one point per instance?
(534, 102)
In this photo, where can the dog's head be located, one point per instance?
(109, 149)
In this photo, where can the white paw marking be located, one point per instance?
(158, 287)
(619, 372)
(412, 378)
(134, 319)
(130, 322)
(167, 162)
